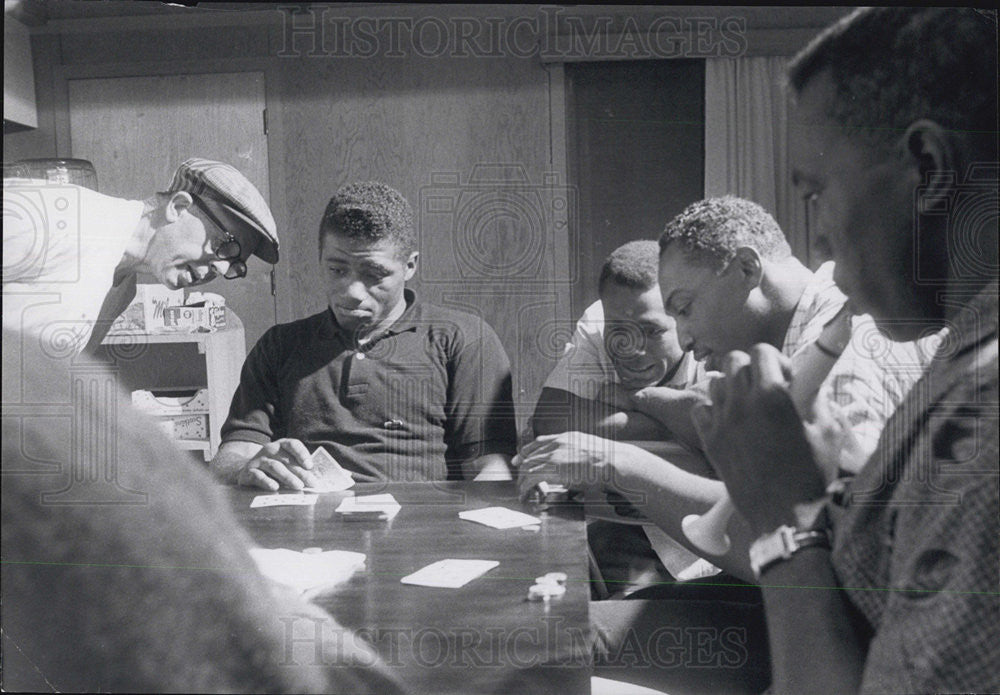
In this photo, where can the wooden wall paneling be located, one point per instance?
(176, 45)
(137, 129)
(41, 141)
(277, 176)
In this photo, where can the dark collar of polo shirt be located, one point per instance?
(405, 323)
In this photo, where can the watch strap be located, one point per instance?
(782, 544)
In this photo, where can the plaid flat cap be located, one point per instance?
(233, 198)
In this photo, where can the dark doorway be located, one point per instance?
(636, 155)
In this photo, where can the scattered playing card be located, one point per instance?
(307, 572)
(333, 477)
(499, 517)
(384, 503)
(449, 574)
(294, 500)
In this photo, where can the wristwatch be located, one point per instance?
(781, 544)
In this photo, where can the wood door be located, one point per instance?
(136, 130)
(636, 144)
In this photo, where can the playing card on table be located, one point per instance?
(307, 572)
(332, 476)
(384, 503)
(294, 500)
(499, 517)
(449, 574)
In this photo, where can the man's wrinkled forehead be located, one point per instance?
(334, 242)
(679, 270)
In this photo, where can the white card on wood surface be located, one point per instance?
(449, 574)
(499, 517)
(293, 500)
(384, 503)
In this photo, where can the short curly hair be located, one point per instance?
(372, 212)
(633, 265)
(711, 230)
(891, 66)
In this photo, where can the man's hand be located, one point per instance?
(283, 462)
(577, 460)
(834, 445)
(672, 409)
(755, 440)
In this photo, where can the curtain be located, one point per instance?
(746, 141)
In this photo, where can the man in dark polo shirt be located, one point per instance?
(393, 388)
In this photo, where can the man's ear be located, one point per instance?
(931, 160)
(411, 265)
(177, 203)
(749, 265)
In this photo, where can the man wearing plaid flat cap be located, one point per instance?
(71, 255)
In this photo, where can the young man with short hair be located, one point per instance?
(393, 387)
(624, 342)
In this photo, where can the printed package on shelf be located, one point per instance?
(157, 309)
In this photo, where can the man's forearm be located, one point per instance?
(814, 646)
(624, 425)
(671, 408)
(560, 411)
(665, 493)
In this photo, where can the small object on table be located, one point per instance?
(552, 578)
(545, 495)
(545, 592)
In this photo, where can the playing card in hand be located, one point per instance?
(332, 476)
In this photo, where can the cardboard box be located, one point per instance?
(145, 313)
(210, 317)
(185, 426)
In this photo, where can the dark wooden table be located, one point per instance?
(485, 637)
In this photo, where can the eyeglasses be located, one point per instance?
(229, 250)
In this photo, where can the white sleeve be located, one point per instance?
(583, 368)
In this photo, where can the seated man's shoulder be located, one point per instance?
(297, 332)
(458, 325)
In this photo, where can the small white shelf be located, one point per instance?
(223, 352)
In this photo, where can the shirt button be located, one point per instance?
(360, 355)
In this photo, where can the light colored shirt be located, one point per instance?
(873, 374)
(585, 366)
(61, 246)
